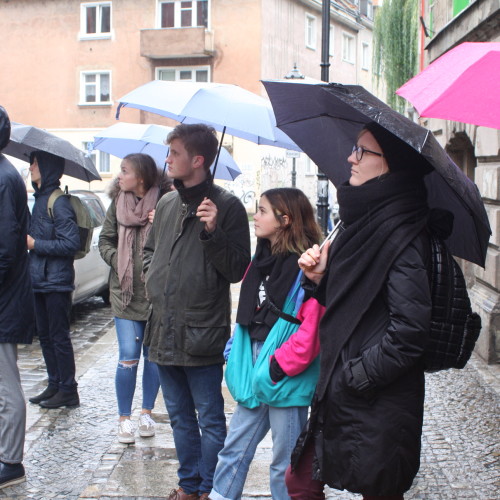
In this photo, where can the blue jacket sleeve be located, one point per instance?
(9, 229)
(67, 237)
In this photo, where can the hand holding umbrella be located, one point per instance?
(313, 261)
(207, 212)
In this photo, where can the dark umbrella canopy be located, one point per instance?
(24, 139)
(324, 120)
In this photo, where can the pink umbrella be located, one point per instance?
(462, 85)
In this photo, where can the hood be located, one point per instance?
(4, 128)
(113, 188)
(51, 170)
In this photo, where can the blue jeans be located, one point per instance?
(130, 335)
(52, 325)
(247, 429)
(198, 440)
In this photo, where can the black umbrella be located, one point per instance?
(324, 120)
(24, 139)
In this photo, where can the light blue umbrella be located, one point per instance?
(228, 108)
(122, 139)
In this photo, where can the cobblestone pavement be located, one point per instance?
(74, 453)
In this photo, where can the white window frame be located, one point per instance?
(365, 56)
(351, 56)
(178, 70)
(310, 167)
(83, 20)
(331, 48)
(367, 6)
(177, 14)
(83, 86)
(100, 158)
(310, 31)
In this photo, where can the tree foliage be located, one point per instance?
(395, 47)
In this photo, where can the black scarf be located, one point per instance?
(381, 217)
(282, 270)
(194, 193)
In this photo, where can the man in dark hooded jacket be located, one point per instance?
(53, 241)
(17, 315)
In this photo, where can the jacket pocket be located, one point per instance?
(206, 333)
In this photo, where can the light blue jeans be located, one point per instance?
(247, 429)
(130, 335)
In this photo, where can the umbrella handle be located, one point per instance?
(331, 234)
(120, 105)
(216, 162)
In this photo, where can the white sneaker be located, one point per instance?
(146, 425)
(126, 431)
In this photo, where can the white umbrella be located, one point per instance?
(227, 108)
(122, 139)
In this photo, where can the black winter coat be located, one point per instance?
(56, 240)
(368, 426)
(17, 313)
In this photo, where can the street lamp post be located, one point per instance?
(295, 74)
(322, 205)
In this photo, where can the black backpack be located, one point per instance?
(454, 327)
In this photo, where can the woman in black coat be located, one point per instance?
(366, 421)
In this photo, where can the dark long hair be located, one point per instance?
(303, 231)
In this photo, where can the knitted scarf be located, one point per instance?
(132, 215)
(381, 217)
(282, 270)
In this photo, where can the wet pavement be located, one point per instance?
(74, 453)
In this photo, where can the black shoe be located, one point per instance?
(46, 394)
(11, 474)
(61, 399)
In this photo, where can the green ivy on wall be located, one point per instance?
(395, 47)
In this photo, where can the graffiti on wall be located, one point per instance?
(243, 187)
(275, 171)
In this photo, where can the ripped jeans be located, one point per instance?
(130, 335)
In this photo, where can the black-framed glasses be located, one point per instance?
(360, 151)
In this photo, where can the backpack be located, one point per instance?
(83, 220)
(454, 327)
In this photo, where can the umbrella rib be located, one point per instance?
(328, 115)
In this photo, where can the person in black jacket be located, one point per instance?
(366, 420)
(17, 313)
(53, 241)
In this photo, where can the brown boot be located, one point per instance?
(180, 494)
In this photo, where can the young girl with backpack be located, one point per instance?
(271, 370)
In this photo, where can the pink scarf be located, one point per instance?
(132, 216)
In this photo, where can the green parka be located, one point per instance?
(188, 276)
(138, 308)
